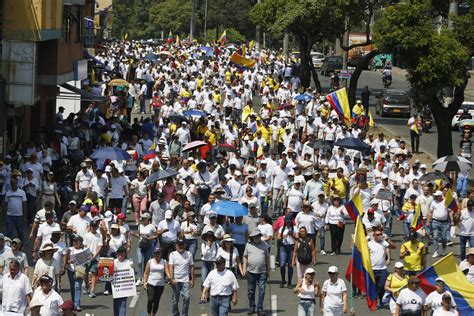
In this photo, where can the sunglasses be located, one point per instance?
(378, 234)
(414, 283)
(439, 283)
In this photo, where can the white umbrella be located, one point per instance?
(452, 163)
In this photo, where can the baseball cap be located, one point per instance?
(121, 216)
(115, 226)
(439, 279)
(333, 269)
(220, 260)
(384, 176)
(73, 202)
(423, 166)
(309, 271)
(168, 214)
(399, 265)
(212, 214)
(438, 193)
(374, 201)
(147, 215)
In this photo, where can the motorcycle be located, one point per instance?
(427, 121)
(387, 81)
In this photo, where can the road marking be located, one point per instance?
(134, 301)
(274, 305)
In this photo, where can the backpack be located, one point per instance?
(304, 252)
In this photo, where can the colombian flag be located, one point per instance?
(417, 222)
(340, 104)
(354, 207)
(360, 267)
(170, 38)
(456, 282)
(223, 38)
(450, 202)
(242, 62)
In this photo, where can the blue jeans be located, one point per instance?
(264, 204)
(306, 308)
(286, 252)
(220, 305)
(206, 267)
(15, 223)
(254, 279)
(380, 278)
(406, 230)
(180, 288)
(75, 284)
(142, 259)
(322, 238)
(461, 187)
(142, 105)
(440, 232)
(120, 306)
(462, 242)
(389, 222)
(191, 246)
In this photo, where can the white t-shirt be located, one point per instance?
(434, 300)
(93, 241)
(15, 292)
(464, 265)
(98, 185)
(79, 224)
(221, 282)
(14, 200)
(377, 254)
(442, 312)
(118, 183)
(410, 301)
(51, 302)
(267, 231)
(48, 267)
(466, 225)
(334, 292)
(45, 230)
(173, 230)
(84, 179)
(439, 211)
(182, 263)
(306, 220)
(226, 255)
(295, 199)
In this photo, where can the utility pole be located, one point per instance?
(193, 20)
(205, 18)
(257, 33)
(453, 11)
(345, 52)
(285, 46)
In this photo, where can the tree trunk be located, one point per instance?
(443, 117)
(361, 65)
(314, 73)
(305, 56)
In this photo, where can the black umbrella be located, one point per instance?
(322, 144)
(352, 143)
(452, 163)
(432, 176)
(160, 175)
(204, 57)
(176, 118)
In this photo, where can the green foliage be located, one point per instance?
(170, 15)
(233, 36)
(463, 28)
(433, 60)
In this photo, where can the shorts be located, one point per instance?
(92, 266)
(393, 306)
(333, 311)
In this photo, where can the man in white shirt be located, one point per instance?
(466, 227)
(181, 270)
(278, 176)
(49, 297)
(83, 179)
(45, 231)
(79, 223)
(380, 259)
(98, 183)
(438, 218)
(223, 287)
(15, 200)
(168, 231)
(17, 290)
(93, 241)
(118, 186)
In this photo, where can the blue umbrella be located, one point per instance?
(352, 143)
(208, 50)
(303, 97)
(111, 153)
(227, 208)
(194, 113)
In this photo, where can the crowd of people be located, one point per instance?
(261, 147)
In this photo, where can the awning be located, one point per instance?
(85, 96)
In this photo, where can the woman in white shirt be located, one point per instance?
(333, 294)
(266, 228)
(307, 289)
(49, 191)
(230, 254)
(249, 198)
(141, 193)
(287, 237)
(209, 248)
(146, 244)
(189, 231)
(154, 280)
(335, 221)
(75, 273)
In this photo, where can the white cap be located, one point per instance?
(309, 270)
(168, 214)
(384, 176)
(333, 269)
(399, 264)
(438, 193)
(440, 279)
(108, 216)
(374, 201)
(246, 137)
(108, 169)
(423, 166)
(417, 161)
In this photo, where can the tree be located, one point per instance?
(308, 21)
(435, 61)
(170, 15)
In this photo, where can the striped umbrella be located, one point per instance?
(452, 163)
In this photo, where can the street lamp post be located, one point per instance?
(193, 20)
(205, 18)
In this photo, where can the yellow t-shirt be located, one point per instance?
(339, 184)
(265, 132)
(413, 260)
(98, 202)
(212, 137)
(396, 284)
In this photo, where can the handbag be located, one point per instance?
(79, 272)
(144, 244)
(340, 224)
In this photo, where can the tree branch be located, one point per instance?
(347, 48)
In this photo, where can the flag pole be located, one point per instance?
(351, 297)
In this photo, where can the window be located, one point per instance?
(66, 23)
(78, 18)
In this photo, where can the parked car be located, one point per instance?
(331, 64)
(318, 59)
(465, 105)
(393, 102)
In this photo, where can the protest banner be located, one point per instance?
(105, 269)
(123, 284)
(82, 257)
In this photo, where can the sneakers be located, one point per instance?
(450, 243)
(435, 255)
(92, 295)
(139, 282)
(333, 253)
(323, 252)
(106, 293)
(84, 290)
